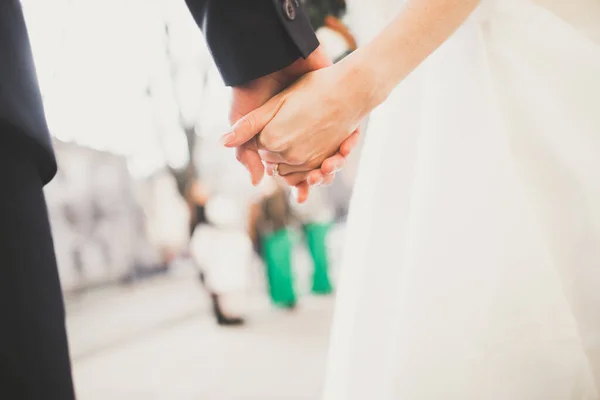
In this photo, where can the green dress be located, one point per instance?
(277, 253)
(277, 242)
(316, 235)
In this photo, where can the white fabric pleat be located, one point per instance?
(472, 267)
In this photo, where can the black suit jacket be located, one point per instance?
(21, 110)
(252, 38)
(248, 39)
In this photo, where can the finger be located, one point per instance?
(251, 160)
(295, 178)
(302, 191)
(270, 156)
(333, 164)
(315, 177)
(328, 180)
(350, 143)
(286, 169)
(270, 168)
(252, 124)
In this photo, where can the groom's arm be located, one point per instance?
(249, 39)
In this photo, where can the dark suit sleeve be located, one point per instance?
(253, 38)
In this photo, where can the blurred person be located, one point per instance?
(273, 220)
(221, 247)
(260, 48)
(270, 224)
(472, 261)
(197, 196)
(316, 216)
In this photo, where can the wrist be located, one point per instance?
(373, 87)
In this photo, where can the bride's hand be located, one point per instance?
(324, 175)
(308, 122)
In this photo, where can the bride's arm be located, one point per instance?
(417, 31)
(307, 123)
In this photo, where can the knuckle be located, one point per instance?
(310, 163)
(294, 157)
(269, 141)
(263, 142)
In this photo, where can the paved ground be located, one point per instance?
(157, 341)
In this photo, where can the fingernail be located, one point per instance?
(336, 169)
(227, 138)
(317, 182)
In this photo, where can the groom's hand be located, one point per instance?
(245, 99)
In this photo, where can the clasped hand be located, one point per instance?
(307, 130)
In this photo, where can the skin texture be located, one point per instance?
(254, 94)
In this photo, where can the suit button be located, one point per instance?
(289, 10)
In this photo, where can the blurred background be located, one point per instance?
(181, 280)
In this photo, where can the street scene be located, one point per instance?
(158, 341)
(299, 200)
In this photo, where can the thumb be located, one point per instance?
(252, 123)
(251, 160)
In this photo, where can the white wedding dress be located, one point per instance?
(472, 264)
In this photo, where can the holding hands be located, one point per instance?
(305, 132)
